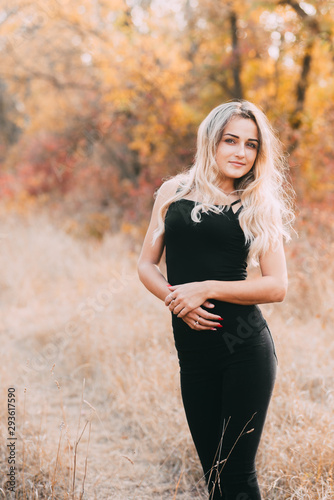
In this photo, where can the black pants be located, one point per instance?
(226, 393)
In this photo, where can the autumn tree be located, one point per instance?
(110, 94)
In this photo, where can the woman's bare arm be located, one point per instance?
(148, 270)
(270, 287)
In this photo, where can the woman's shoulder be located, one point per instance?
(170, 186)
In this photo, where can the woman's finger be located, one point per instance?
(207, 324)
(197, 326)
(205, 314)
(172, 306)
(197, 322)
(208, 304)
(180, 311)
(169, 299)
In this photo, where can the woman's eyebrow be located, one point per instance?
(237, 137)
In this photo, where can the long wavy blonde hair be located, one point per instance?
(266, 195)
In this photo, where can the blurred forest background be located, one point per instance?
(100, 100)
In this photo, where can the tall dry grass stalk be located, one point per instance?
(74, 310)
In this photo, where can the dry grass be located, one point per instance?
(89, 349)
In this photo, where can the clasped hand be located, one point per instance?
(186, 301)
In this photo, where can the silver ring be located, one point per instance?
(196, 323)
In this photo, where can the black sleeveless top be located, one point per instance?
(212, 249)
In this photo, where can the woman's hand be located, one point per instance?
(199, 319)
(187, 297)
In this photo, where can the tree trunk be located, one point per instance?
(295, 118)
(236, 62)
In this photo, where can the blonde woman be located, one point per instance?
(230, 208)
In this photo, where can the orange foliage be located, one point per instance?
(114, 102)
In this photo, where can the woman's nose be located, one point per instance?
(241, 150)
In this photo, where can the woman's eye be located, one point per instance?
(249, 144)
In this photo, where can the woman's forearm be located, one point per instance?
(151, 277)
(260, 290)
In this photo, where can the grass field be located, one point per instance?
(91, 356)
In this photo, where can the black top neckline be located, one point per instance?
(199, 202)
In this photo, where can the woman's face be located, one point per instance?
(237, 150)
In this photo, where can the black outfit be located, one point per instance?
(227, 376)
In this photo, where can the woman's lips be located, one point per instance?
(237, 163)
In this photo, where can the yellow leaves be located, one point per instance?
(182, 116)
(155, 72)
